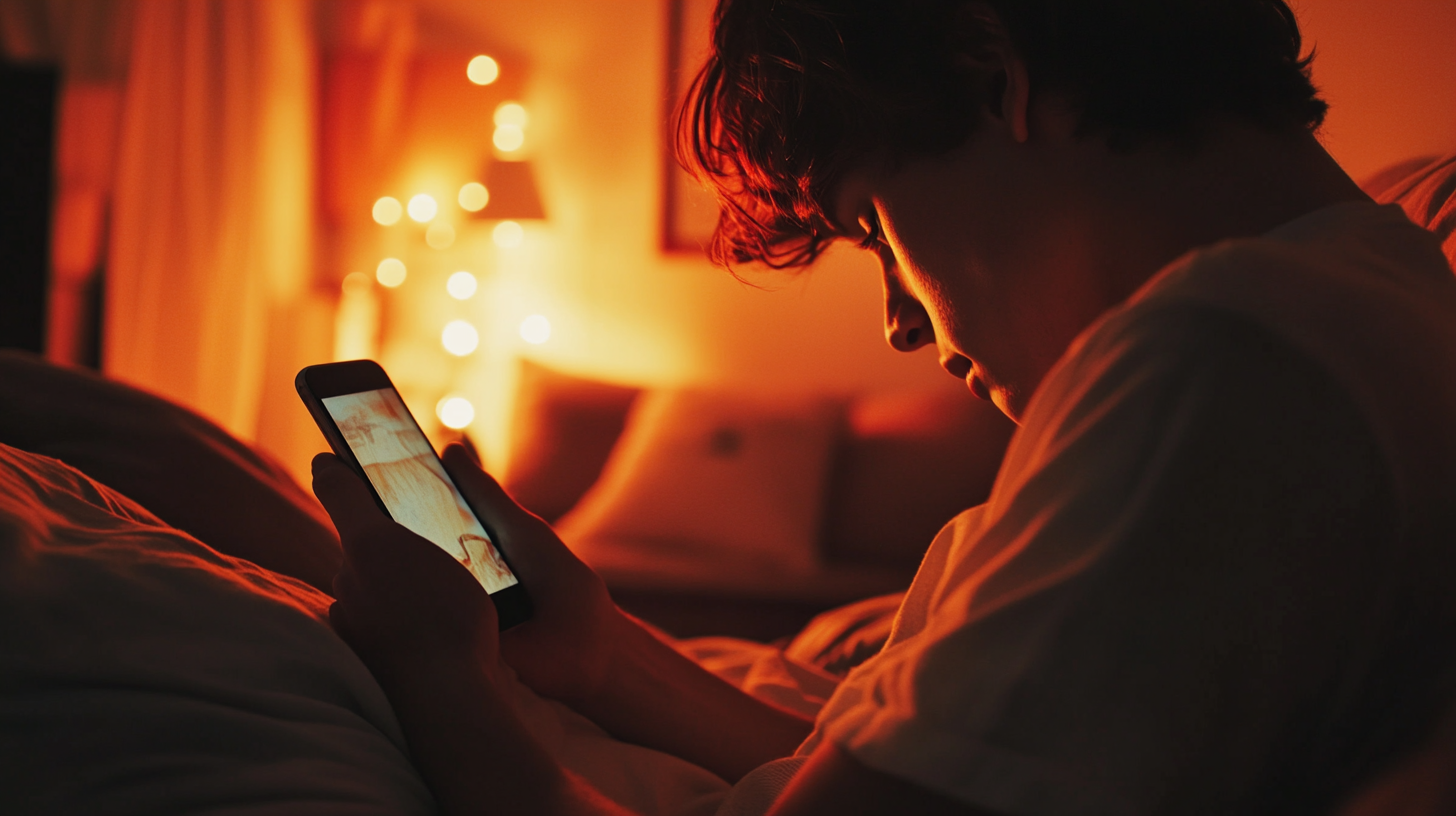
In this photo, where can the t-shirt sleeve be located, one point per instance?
(1169, 593)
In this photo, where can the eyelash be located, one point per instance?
(874, 237)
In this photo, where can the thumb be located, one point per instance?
(495, 505)
(345, 496)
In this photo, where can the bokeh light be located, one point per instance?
(508, 234)
(536, 329)
(461, 285)
(482, 70)
(473, 197)
(440, 235)
(459, 338)
(508, 138)
(455, 412)
(357, 283)
(511, 113)
(390, 272)
(422, 208)
(387, 211)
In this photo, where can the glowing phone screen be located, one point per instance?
(408, 476)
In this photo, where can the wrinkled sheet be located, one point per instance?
(143, 672)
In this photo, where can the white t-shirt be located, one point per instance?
(1217, 569)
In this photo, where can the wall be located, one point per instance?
(620, 308)
(1388, 71)
(624, 310)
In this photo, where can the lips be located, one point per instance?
(978, 387)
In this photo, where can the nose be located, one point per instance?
(907, 324)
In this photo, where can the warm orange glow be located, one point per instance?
(508, 234)
(473, 197)
(422, 208)
(455, 412)
(459, 338)
(511, 113)
(536, 329)
(356, 322)
(390, 272)
(461, 285)
(482, 70)
(356, 283)
(440, 235)
(387, 211)
(508, 138)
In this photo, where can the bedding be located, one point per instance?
(142, 671)
(179, 465)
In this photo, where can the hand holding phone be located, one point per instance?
(369, 428)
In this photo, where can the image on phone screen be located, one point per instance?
(408, 477)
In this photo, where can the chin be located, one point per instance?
(1010, 408)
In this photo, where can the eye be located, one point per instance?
(874, 236)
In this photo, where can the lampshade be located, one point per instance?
(513, 193)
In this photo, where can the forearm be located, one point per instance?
(475, 752)
(652, 695)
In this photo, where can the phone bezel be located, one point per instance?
(317, 382)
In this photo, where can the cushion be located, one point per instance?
(562, 431)
(907, 465)
(712, 478)
(178, 465)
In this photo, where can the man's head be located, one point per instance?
(799, 92)
(1002, 157)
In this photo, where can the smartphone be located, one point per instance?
(369, 427)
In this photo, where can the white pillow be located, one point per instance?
(710, 478)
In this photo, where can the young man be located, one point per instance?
(1216, 573)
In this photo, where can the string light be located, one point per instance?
(482, 70)
(461, 285)
(387, 211)
(422, 208)
(459, 338)
(356, 283)
(473, 197)
(511, 113)
(508, 234)
(536, 329)
(508, 138)
(455, 412)
(390, 272)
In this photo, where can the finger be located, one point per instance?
(535, 552)
(345, 496)
(495, 505)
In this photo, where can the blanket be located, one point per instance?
(141, 671)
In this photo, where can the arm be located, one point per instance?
(653, 695)
(578, 648)
(428, 633)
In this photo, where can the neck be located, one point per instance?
(1241, 181)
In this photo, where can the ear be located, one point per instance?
(1016, 98)
(987, 51)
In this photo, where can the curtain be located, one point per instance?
(88, 40)
(210, 250)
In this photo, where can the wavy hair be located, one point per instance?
(796, 93)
